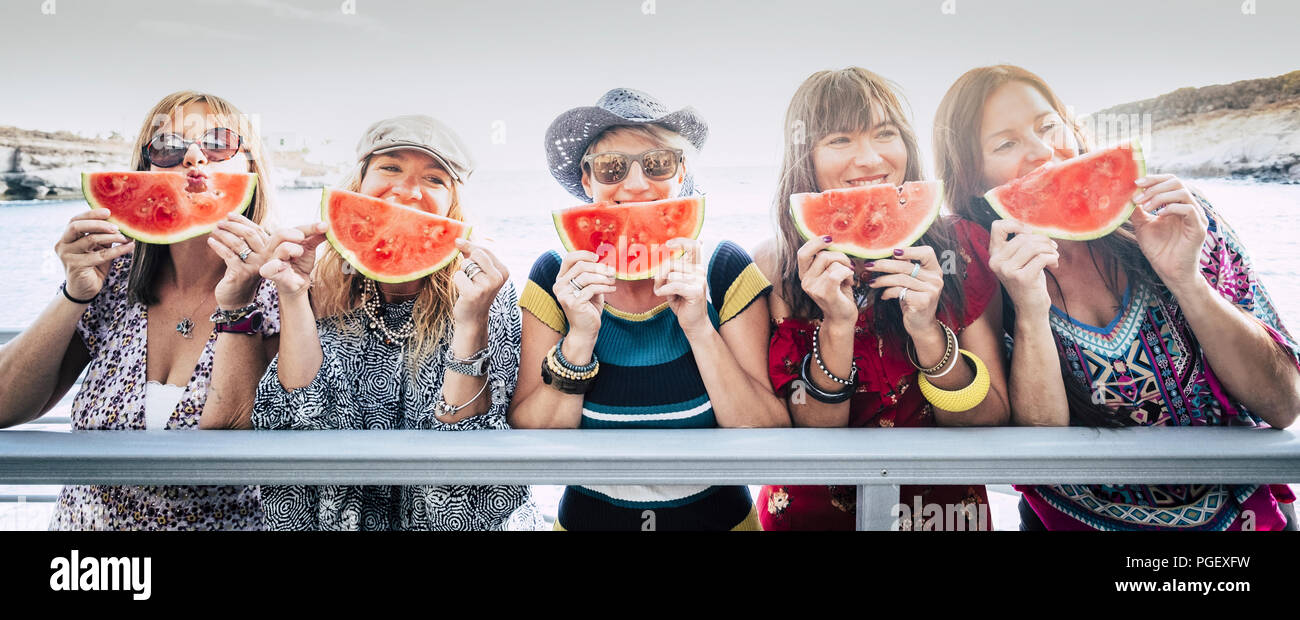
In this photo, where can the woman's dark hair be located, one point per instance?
(846, 101)
(959, 163)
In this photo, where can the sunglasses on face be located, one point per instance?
(611, 167)
(168, 149)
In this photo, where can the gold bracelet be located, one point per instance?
(964, 399)
(950, 348)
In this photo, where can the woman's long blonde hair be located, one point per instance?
(337, 287)
(148, 257)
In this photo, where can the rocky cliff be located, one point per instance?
(41, 164)
(1247, 129)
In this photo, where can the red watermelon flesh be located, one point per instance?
(871, 221)
(630, 236)
(389, 242)
(1084, 197)
(164, 207)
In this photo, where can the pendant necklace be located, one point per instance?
(185, 326)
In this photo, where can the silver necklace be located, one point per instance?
(370, 305)
(185, 326)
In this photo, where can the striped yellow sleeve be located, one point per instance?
(743, 291)
(544, 307)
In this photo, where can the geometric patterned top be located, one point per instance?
(1148, 369)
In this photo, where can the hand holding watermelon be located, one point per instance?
(293, 257)
(1019, 263)
(1171, 229)
(682, 280)
(580, 289)
(477, 293)
(86, 249)
(918, 295)
(827, 277)
(242, 244)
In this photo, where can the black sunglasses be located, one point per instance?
(610, 167)
(168, 149)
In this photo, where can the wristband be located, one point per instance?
(64, 287)
(251, 324)
(559, 379)
(821, 396)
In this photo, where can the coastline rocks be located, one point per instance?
(48, 165)
(1248, 129)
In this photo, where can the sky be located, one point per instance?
(317, 72)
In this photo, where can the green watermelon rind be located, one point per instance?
(557, 217)
(852, 249)
(1120, 217)
(352, 259)
(176, 237)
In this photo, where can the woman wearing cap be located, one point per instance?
(907, 341)
(436, 353)
(684, 350)
(139, 319)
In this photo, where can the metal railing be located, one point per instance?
(875, 460)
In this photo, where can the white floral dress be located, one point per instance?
(112, 397)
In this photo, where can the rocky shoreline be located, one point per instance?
(1245, 130)
(48, 165)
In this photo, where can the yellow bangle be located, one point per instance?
(966, 398)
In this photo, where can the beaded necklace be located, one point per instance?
(370, 304)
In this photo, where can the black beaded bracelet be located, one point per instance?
(821, 396)
(570, 366)
(64, 287)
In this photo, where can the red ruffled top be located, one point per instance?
(887, 395)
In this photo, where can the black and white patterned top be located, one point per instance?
(364, 383)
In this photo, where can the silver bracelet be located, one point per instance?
(817, 357)
(445, 409)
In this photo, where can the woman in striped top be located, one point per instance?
(684, 350)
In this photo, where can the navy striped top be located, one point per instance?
(648, 379)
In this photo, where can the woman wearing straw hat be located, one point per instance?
(687, 349)
(436, 353)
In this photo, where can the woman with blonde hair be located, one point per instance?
(682, 350)
(139, 319)
(440, 352)
(1162, 322)
(907, 341)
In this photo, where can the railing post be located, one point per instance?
(875, 507)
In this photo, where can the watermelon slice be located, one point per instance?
(871, 221)
(630, 237)
(167, 207)
(1082, 198)
(388, 242)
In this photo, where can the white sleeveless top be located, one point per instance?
(160, 400)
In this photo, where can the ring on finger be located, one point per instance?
(916, 269)
(902, 295)
(243, 256)
(471, 269)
